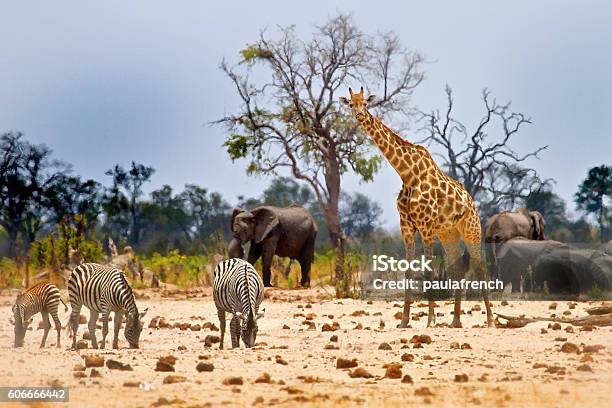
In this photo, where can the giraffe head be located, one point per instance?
(358, 103)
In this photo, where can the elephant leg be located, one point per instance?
(266, 265)
(450, 241)
(408, 231)
(254, 253)
(305, 266)
(476, 262)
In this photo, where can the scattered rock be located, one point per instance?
(407, 357)
(398, 316)
(593, 348)
(78, 367)
(543, 331)
(360, 372)
(165, 364)
(461, 378)
(204, 367)
(195, 327)
(285, 327)
(385, 346)
(93, 360)
(394, 371)
(504, 303)
(131, 384)
(570, 348)
(95, 373)
(181, 348)
(540, 365)
(556, 326)
(421, 338)
(346, 363)
(281, 361)
(407, 379)
(466, 346)
(233, 381)
(81, 345)
(455, 345)
(553, 306)
(79, 374)
(331, 347)
(334, 338)
(586, 358)
(584, 367)
(117, 365)
(556, 370)
(210, 339)
(292, 390)
(174, 379)
(264, 378)
(358, 313)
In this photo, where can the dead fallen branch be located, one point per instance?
(599, 310)
(590, 320)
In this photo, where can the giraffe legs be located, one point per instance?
(428, 241)
(408, 236)
(452, 250)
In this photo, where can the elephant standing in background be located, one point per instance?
(506, 225)
(287, 232)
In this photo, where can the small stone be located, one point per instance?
(407, 357)
(569, 329)
(81, 345)
(398, 316)
(195, 327)
(466, 346)
(407, 379)
(79, 374)
(540, 365)
(556, 326)
(165, 364)
(346, 363)
(461, 378)
(94, 360)
(455, 345)
(394, 371)
(281, 361)
(331, 347)
(385, 346)
(264, 378)
(285, 327)
(233, 381)
(504, 303)
(174, 379)
(543, 331)
(78, 367)
(584, 367)
(552, 306)
(360, 372)
(334, 338)
(131, 384)
(594, 348)
(181, 348)
(210, 339)
(586, 358)
(421, 338)
(117, 365)
(204, 367)
(570, 348)
(95, 373)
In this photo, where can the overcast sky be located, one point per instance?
(124, 81)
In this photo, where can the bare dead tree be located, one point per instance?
(484, 162)
(291, 121)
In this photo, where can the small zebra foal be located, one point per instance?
(103, 289)
(43, 298)
(238, 289)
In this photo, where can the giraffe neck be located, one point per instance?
(408, 160)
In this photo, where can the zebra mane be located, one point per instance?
(251, 314)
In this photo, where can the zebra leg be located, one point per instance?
(235, 331)
(46, 326)
(93, 318)
(104, 327)
(221, 315)
(58, 326)
(117, 323)
(74, 322)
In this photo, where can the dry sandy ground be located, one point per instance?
(499, 365)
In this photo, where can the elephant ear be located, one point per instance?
(538, 225)
(234, 214)
(265, 221)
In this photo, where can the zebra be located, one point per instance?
(43, 298)
(103, 289)
(238, 289)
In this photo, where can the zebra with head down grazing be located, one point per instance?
(238, 289)
(43, 298)
(103, 289)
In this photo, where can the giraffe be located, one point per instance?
(429, 202)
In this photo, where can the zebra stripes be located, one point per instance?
(238, 289)
(103, 289)
(43, 298)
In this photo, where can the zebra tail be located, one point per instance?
(65, 305)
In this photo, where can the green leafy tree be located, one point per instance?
(593, 193)
(289, 120)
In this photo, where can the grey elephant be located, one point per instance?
(553, 266)
(287, 232)
(506, 225)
